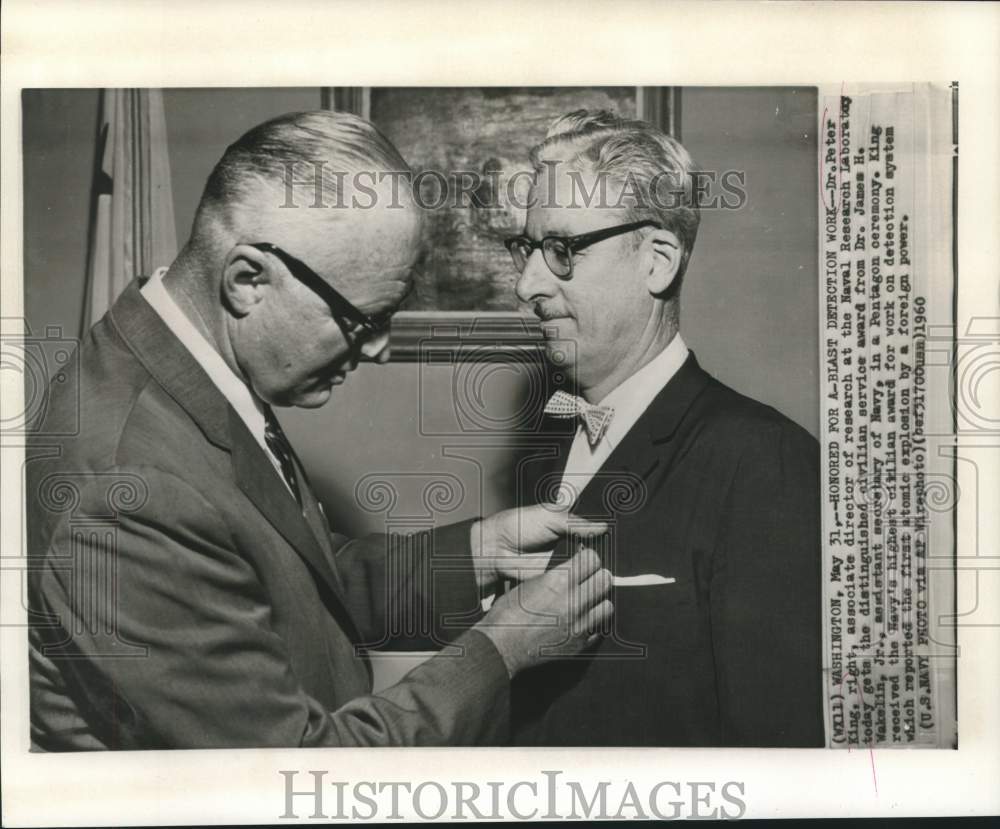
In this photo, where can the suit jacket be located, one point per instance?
(720, 493)
(179, 597)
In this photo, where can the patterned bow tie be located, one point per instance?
(595, 418)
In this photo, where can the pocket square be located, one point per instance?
(645, 580)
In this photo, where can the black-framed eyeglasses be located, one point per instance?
(341, 306)
(557, 251)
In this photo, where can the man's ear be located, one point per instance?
(246, 275)
(663, 255)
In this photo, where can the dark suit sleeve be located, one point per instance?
(192, 659)
(414, 591)
(766, 594)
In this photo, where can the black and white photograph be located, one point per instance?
(532, 423)
(230, 563)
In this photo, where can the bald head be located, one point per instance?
(298, 174)
(330, 190)
(313, 151)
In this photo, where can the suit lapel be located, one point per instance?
(618, 487)
(170, 363)
(257, 477)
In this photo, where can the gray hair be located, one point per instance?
(298, 146)
(635, 154)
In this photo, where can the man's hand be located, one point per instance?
(555, 614)
(499, 541)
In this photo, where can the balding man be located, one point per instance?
(212, 606)
(713, 498)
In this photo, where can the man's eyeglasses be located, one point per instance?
(557, 251)
(341, 306)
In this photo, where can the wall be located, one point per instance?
(59, 128)
(749, 306)
(749, 302)
(201, 123)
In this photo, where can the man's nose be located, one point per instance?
(536, 280)
(377, 348)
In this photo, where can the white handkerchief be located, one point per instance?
(644, 580)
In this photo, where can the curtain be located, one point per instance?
(132, 213)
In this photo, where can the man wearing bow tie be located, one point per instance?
(712, 498)
(185, 589)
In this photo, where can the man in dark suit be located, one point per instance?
(185, 589)
(712, 498)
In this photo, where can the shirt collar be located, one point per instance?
(634, 394)
(233, 388)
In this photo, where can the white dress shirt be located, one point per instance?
(246, 404)
(629, 400)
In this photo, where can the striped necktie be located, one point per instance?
(276, 441)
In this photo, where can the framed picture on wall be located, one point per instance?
(468, 148)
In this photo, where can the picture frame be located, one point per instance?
(428, 333)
